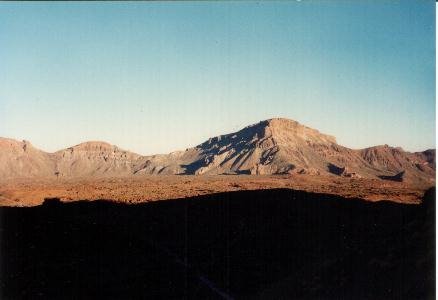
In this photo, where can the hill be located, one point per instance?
(274, 146)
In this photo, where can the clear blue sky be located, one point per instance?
(163, 76)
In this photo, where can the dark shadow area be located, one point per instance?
(270, 244)
(243, 172)
(397, 177)
(241, 142)
(335, 169)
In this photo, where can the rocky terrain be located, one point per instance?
(138, 189)
(274, 146)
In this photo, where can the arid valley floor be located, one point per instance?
(30, 192)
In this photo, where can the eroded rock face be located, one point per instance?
(274, 146)
(94, 159)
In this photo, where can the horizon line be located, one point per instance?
(189, 147)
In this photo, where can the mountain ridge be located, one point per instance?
(273, 146)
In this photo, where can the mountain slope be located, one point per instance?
(401, 165)
(21, 159)
(279, 146)
(274, 146)
(94, 159)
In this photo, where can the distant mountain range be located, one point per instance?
(274, 146)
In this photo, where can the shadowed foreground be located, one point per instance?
(269, 244)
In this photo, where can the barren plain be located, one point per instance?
(30, 192)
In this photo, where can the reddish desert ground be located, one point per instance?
(30, 192)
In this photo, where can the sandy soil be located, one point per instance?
(152, 188)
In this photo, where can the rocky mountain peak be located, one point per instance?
(94, 146)
(284, 130)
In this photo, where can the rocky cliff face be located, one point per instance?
(274, 146)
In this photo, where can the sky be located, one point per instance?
(155, 77)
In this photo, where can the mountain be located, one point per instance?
(274, 146)
(280, 146)
(21, 159)
(94, 159)
(404, 166)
